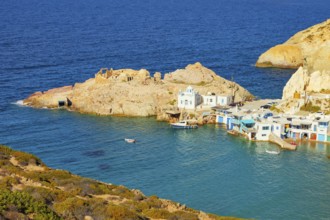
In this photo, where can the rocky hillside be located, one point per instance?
(308, 47)
(31, 190)
(309, 87)
(134, 92)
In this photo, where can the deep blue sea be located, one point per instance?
(46, 44)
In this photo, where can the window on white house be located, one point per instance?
(265, 128)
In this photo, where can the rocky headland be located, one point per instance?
(309, 87)
(310, 46)
(128, 92)
(31, 190)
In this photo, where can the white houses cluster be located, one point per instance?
(190, 99)
(261, 124)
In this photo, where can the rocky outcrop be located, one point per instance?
(302, 81)
(283, 56)
(134, 92)
(31, 190)
(194, 74)
(305, 46)
(307, 89)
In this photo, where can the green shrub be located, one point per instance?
(8, 181)
(5, 150)
(26, 159)
(158, 213)
(182, 215)
(202, 83)
(23, 203)
(309, 107)
(116, 212)
(172, 102)
(72, 208)
(123, 192)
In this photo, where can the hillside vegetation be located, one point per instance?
(31, 190)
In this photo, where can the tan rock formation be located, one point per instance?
(304, 44)
(283, 56)
(192, 74)
(305, 87)
(302, 81)
(133, 93)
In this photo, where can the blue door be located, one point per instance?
(229, 124)
(220, 119)
(321, 137)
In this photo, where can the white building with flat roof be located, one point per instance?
(214, 100)
(210, 100)
(224, 100)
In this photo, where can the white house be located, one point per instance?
(210, 99)
(323, 129)
(224, 100)
(189, 99)
(264, 129)
(213, 100)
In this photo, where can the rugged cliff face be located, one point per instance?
(302, 81)
(31, 190)
(134, 93)
(306, 44)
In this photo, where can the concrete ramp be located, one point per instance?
(284, 145)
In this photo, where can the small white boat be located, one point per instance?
(128, 140)
(183, 124)
(272, 152)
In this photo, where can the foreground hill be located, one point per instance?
(31, 190)
(130, 92)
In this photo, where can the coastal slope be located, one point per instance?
(31, 190)
(128, 92)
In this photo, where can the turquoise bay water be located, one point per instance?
(47, 44)
(205, 168)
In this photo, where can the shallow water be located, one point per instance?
(46, 44)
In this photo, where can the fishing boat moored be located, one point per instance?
(184, 124)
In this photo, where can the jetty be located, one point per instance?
(284, 145)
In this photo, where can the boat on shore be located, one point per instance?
(128, 140)
(184, 125)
